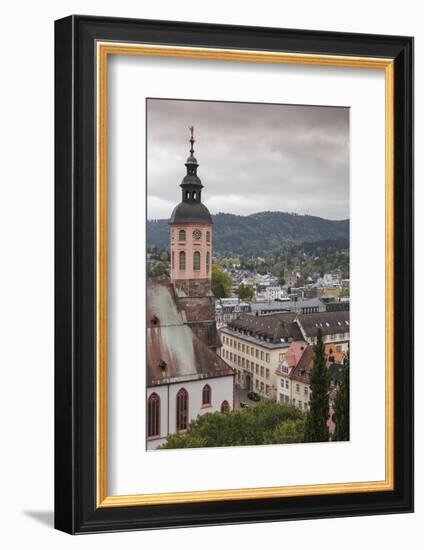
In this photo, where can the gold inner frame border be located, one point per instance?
(103, 50)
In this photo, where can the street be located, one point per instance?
(241, 395)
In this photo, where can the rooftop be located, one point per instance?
(330, 322)
(272, 330)
(174, 352)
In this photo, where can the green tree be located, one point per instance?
(158, 269)
(245, 292)
(266, 423)
(221, 282)
(341, 405)
(316, 428)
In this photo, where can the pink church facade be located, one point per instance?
(191, 251)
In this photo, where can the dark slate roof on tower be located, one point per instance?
(191, 213)
(191, 209)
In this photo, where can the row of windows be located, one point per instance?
(250, 365)
(247, 349)
(260, 386)
(181, 423)
(285, 384)
(196, 260)
(197, 235)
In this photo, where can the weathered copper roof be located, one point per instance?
(174, 352)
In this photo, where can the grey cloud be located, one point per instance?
(252, 157)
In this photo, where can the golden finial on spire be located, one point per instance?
(192, 140)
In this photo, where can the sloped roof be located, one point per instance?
(174, 352)
(294, 353)
(300, 357)
(275, 327)
(303, 367)
(191, 212)
(330, 322)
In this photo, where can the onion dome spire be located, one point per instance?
(191, 209)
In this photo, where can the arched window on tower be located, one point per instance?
(225, 407)
(206, 395)
(182, 410)
(153, 415)
(208, 236)
(182, 256)
(196, 261)
(172, 260)
(182, 235)
(208, 261)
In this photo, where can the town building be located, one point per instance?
(228, 309)
(313, 305)
(254, 347)
(329, 291)
(293, 375)
(293, 384)
(334, 327)
(186, 376)
(270, 292)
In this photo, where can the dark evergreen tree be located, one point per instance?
(316, 428)
(341, 406)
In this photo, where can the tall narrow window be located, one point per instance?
(196, 261)
(208, 260)
(206, 395)
(172, 260)
(182, 409)
(182, 260)
(153, 415)
(225, 407)
(208, 236)
(182, 235)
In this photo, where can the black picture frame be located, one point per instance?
(75, 275)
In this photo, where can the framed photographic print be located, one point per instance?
(233, 271)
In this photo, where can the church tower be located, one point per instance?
(191, 256)
(191, 234)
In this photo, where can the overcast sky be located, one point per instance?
(251, 157)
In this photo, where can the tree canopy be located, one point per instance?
(221, 282)
(245, 292)
(157, 269)
(266, 423)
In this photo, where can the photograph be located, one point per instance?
(247, 274)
